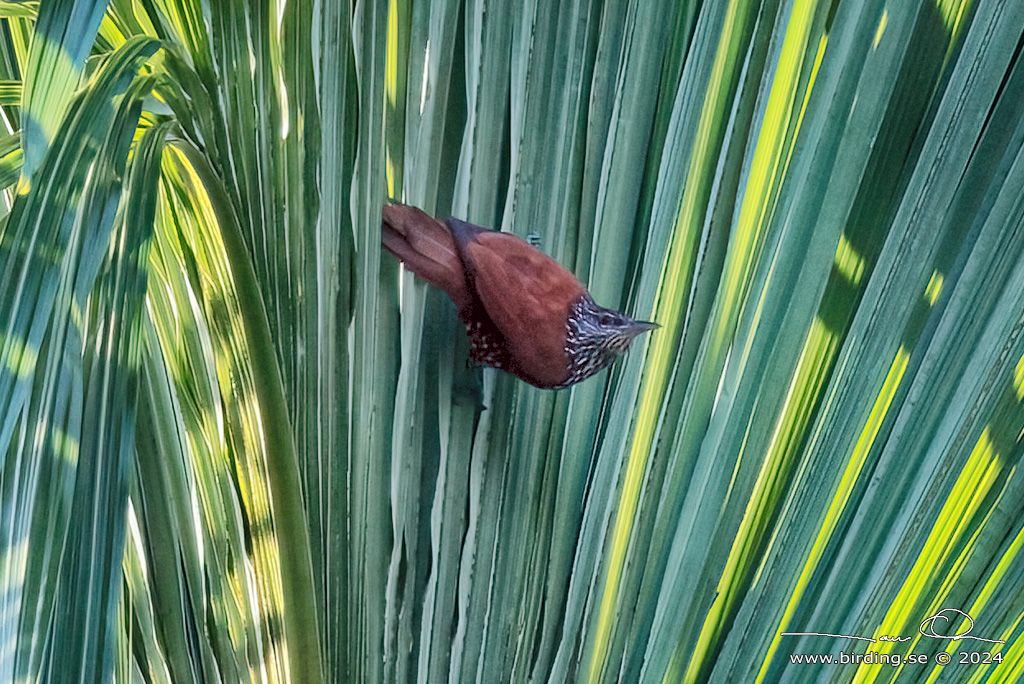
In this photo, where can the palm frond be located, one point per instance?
(239, 443)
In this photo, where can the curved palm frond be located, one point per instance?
(240, 444)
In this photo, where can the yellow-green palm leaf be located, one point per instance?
(239, 443)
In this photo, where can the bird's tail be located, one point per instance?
(426, 247)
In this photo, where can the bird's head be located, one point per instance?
(597, 335)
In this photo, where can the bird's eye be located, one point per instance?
(607, 319)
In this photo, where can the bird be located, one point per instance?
(525, 314)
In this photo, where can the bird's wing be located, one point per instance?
(528, 295)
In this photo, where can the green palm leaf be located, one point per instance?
(239, 443)
(69, 374)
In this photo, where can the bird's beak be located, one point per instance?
(642, 326)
